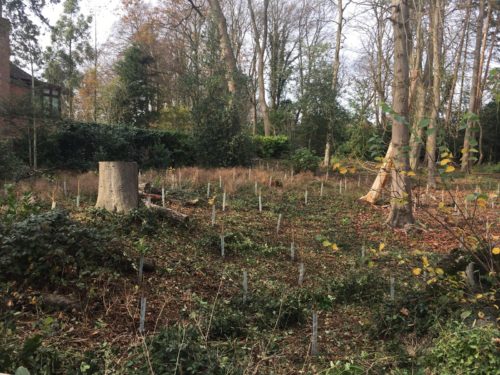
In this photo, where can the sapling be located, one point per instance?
(278, 224)
(213, 214)
(143, 315)
(305, 197)
(314, 338)
(220, 181)
(260, 200)
(392, 288)
(141, 268)
(163, 196)
(345, 183)
(234, 174)
(208, 190)
(340, 186)
(222, 243)
(292, 251)
(245, 286)
(53, 199)
(321, 190)
(65, 188)
(359, 180)
(256, 190)
(301, 273)
(224, 201)
(78, 193)
(270, 181)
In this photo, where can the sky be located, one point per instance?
(107, 12)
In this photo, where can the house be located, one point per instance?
(16, 84)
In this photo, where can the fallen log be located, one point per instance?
(150, 195)
(147, 187)
(168, 213)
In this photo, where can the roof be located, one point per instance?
(21, 78)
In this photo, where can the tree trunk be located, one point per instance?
(381, 179)
(225, 43)
(261, 50)
(335, 78)
(401, 210)
(118, 186)
(418, 94)
(431, 145)
(458, 63)
(328, 150)
(469, 131)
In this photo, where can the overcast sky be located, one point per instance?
(107, 12)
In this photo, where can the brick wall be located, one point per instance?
(4, 59)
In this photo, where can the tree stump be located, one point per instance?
(118, 186)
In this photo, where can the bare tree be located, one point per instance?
(474, 103)
(225, 44)
(260, 47)
(431, 145)
(335, 73)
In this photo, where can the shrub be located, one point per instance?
(463, 350)
(50, 249)
(271, 146)
(219, 140)
(304, 160)
(358, 287)
(79, 146)
(11, 166)
(183, 348)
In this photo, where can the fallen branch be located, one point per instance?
(168, 213)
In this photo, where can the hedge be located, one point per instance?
(79, 146)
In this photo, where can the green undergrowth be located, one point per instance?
(208, 325)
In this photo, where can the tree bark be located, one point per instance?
(401, 209)
(118, 186)
(225, 43)
(431, 145)
(382, 177)
(418, 93)
(469, 131)
(261, 50)
(335, 77)
(458, 62)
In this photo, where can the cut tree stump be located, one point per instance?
(118, 186)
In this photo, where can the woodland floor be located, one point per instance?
(193, 285)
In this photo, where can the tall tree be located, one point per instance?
(260, 47)
(401, 208)
(469, 138)
(225, 44)
(335, 72)
(431, 145)
(70, 48)
(135, 93)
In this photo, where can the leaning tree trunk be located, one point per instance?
(118, 186)
(382, 177)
